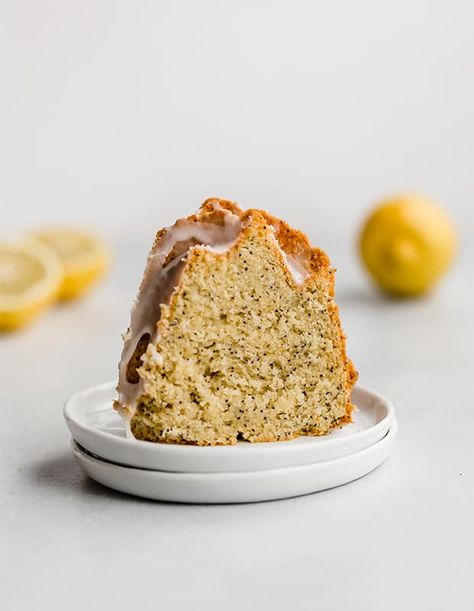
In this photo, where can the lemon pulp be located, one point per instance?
(30, 277)
(84, 258)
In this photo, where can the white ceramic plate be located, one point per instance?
(242, 487)
(99, 429)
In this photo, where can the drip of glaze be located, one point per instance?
(295, 266)
(160, 279)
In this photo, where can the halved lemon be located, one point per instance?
(30, 277)
(84, 258)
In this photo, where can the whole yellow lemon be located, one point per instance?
(407, 243)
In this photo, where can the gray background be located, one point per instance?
(124, 115)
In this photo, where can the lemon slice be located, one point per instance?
(30, 277)
(84, 258)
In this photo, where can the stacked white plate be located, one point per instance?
(226, 474)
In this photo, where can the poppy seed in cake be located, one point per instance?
(234, 335)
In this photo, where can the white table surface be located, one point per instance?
(401, 538)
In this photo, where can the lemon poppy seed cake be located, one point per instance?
(234, 335)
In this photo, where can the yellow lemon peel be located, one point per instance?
(30, 278)
(84, 258)
(407, 243)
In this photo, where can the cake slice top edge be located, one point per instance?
(216, 226)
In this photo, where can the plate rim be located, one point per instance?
(236, 487)
(185, 452)
(78, 447)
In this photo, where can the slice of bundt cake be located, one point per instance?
(234, 335)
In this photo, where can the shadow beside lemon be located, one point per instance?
(40, 268)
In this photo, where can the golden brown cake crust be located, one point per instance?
(292, 242)
(295, 242)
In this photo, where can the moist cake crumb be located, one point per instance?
(245, 342)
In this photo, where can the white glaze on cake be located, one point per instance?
(295, 265)
(160, 280)
(158, 284)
